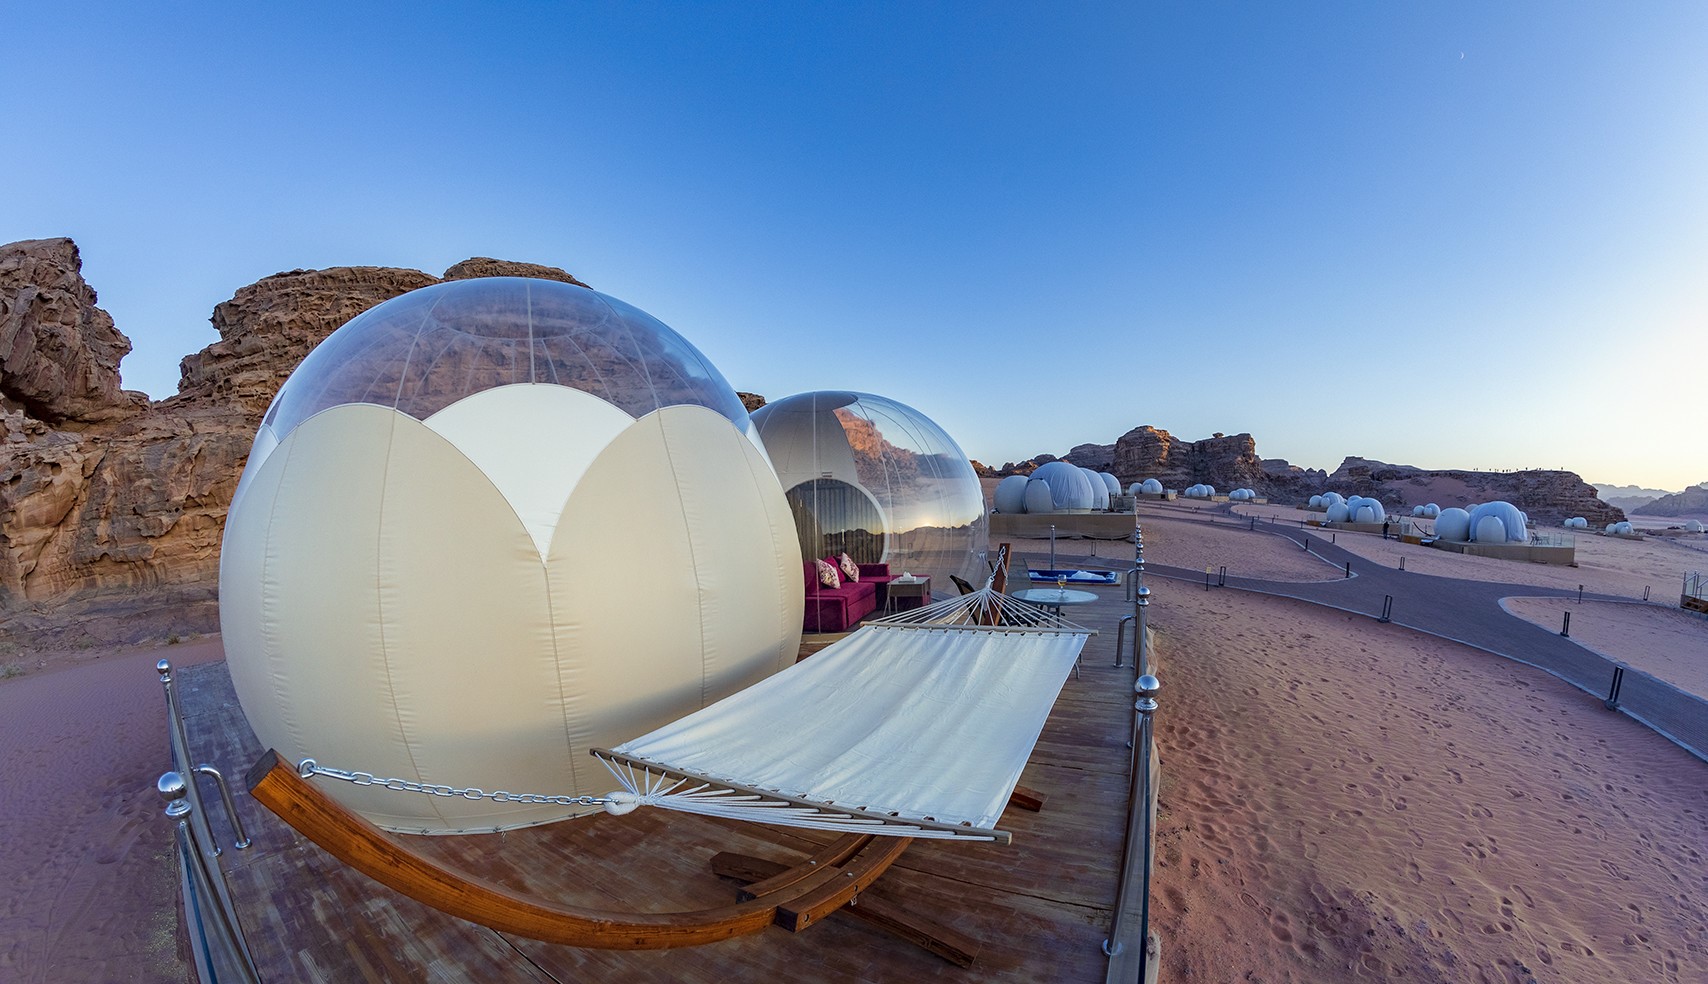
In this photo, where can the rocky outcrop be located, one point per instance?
(1547, 495)
(1223, 461)
(486, 266)
(1691, 502)
(112, 508)
(1097, 457)
(1230, 461)
(269, 326)
(59, 353)
(751, 401)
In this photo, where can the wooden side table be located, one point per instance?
(916, 591)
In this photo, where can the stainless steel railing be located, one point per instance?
(220, 952)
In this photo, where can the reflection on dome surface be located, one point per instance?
(878, 479)
(426, 350)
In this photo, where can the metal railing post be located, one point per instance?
(198, 835)
(214, 923)
(1052, 546)
(1141, 646)
(1566, 625)
(1138, 822)
(1121, 637)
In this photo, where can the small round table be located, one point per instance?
(1053, 599)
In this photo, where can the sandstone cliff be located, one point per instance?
(1691, 502)
(112, 508)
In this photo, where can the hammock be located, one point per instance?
(916, 725)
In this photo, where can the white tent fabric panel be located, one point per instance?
(923, 722)
(384, 611)
(516, 435)
(388, 612)
(631, 663)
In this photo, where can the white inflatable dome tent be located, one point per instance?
(1099, 490)
(488, 524)
(878, 479)
(1149, 486)
(1497, 522)
(1069, 488)
(1454, 525)
(1010, 494)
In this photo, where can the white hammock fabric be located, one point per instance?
(918, 725)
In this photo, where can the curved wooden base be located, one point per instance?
(816, 887)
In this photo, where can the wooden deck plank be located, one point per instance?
(1039, 908)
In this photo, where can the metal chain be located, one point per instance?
(310, 768)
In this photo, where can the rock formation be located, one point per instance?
(59, 353)
(1691, 502)
(112, 508)
(1221, 461)
(1231, 461)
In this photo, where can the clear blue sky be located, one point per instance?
(1448, 234)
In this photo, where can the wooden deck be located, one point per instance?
(1040, 908)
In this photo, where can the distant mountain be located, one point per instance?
(1627, 497)
(1691, 502)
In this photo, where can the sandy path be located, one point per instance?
(89, 891)
(1669, 643)
(1345, 802)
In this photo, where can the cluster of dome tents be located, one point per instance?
(1357, 509)
(1242, 495)
(1056, 487)
(1489, 522)
(1149, 486)
(1199, 491)
(1428, 510)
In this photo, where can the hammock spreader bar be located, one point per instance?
(668, 788)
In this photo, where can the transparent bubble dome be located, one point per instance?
(429, 348)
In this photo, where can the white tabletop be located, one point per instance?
(1055, 596)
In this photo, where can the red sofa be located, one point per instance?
(838, 609)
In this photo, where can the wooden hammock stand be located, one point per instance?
(792, 897)
(831, 881)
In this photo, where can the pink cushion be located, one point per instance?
(827, 576)
(850, 570)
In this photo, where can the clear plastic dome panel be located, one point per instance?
(425, 350)
(889, 479)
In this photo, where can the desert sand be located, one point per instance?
(1341, 801)
(90, 891)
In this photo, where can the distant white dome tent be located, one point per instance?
(1453, 525)
(1200, 491)
(1693, 526)
(1577, 523)
(1010, 494)
(1099, 491)
(1111, 483)
(1070, 488)
(1625, 528)
(1362, 509)
(422, 574)
(1316, 502)
(1496, 522)
(1242, 495)
(1038, 498)
(1431, 510)
(1417, 511)
(1149, 486)
(876, 479)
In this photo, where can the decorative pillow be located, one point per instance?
(827, 575)
(850, 569)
